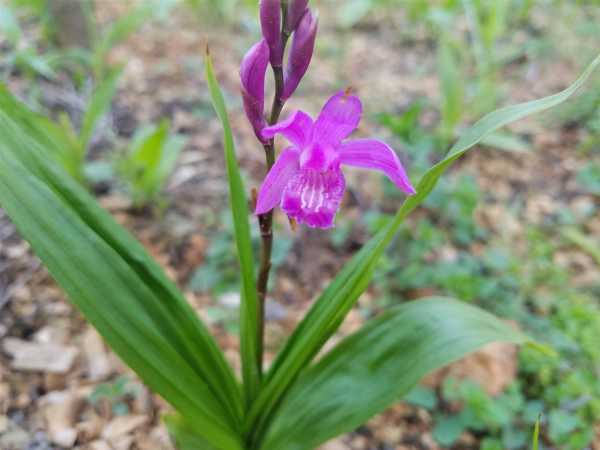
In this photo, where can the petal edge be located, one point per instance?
(271, 190)
(374, 154)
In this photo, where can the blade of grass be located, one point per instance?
(249, 333)
(585, 243)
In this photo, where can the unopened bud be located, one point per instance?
(295, 11)
(252, 74)
(303, 45)
(270, 22)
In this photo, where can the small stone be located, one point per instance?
(61, 410)
(14, 438)
(230, 300)
(121, 426)
(99, 445)
(122, 443)
(274, 311)
(90, 428)
(336, 444)
(97, 359)
(31, 356)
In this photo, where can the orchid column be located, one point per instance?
(279, 19)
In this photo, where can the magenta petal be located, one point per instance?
(296, 128)
(276, 180)
(313, 197)
(376, 155)
(338, 119)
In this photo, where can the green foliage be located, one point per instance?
(589, 178)
(403, 344)
(43, 59)
(228, 10)
(250, 338)
(60, 139)
(117, 32)
(23, 56)
(462, 96)
(451, 88)
(118, 287)
(147, 163)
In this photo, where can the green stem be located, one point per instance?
(265, 221)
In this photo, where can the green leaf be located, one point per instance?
(354, 11)
(118, 287)
(536, 434)
(99, 104)
(585, 243)
(185, 435)
(506, 141)
(118, 31)
(373, 368)
(57, 139)
(249, 333)
(451, 86)
(150, 160)
(10, 25)
(448, 429)
(335, 302)
(423, 397)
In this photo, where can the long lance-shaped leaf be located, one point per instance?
(376, 366)
(249, 333)
(185, 436)
(211, 362)
(169, 310)
(329, 310)
(106, 289)
(159, 300)
(98, 105)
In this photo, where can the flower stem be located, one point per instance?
(265, 221)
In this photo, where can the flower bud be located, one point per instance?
(303, 45)
(252, 74)
(270, 22)
(295, 11)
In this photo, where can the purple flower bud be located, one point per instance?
(270, 21)
(252, 74)
(303, 45)
(295, 11)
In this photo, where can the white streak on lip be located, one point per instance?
(303, 194)
(321, 192)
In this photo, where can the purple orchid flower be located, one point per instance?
(306, 180)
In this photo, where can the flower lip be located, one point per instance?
(313, 197)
